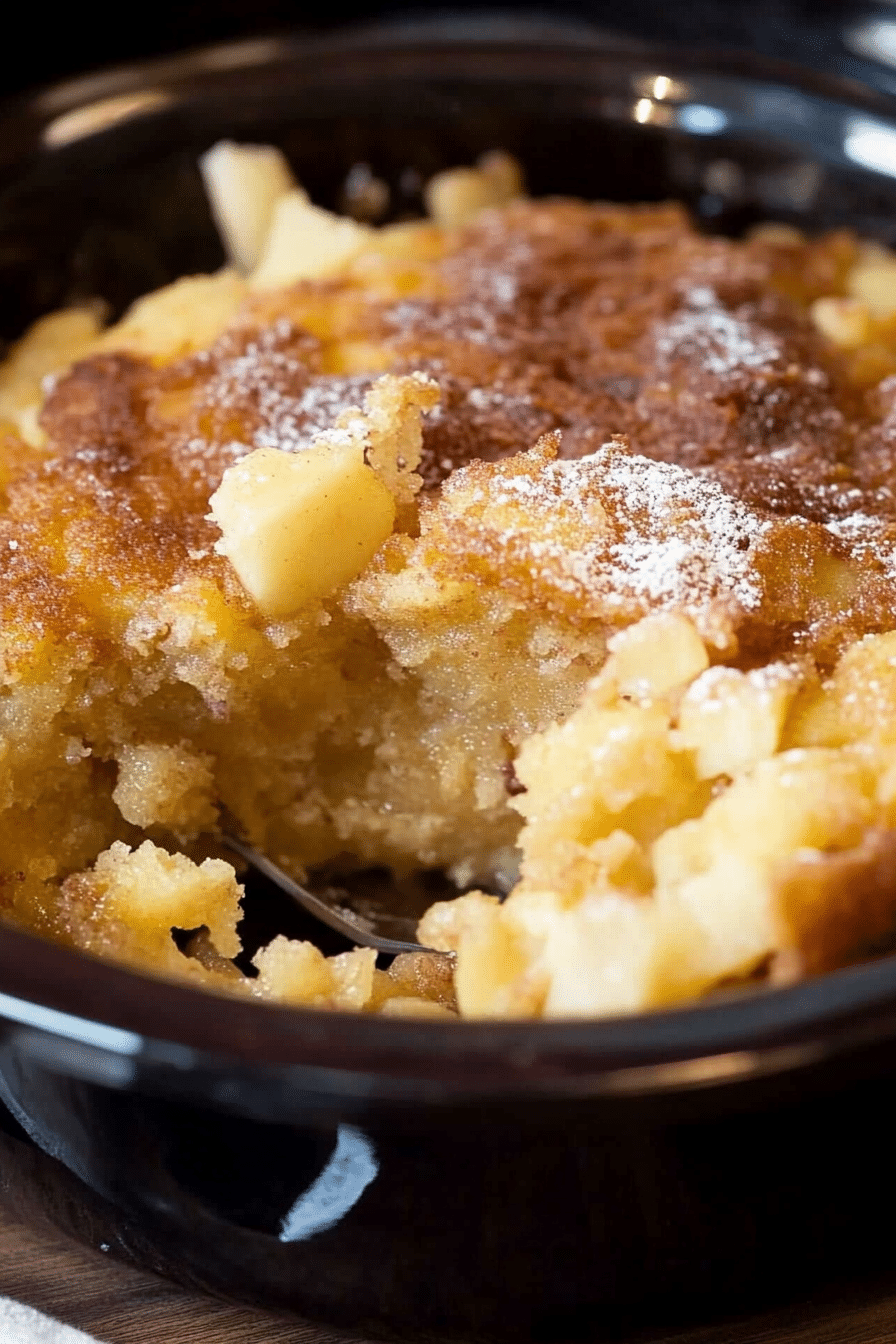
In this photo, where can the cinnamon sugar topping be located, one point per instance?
(613, 532)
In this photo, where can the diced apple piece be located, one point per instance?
(721, 870)
(352, 974)
(614, 954)
(492, 977)
(857, 703)
(47, 348)
(603, 769)
(178, 318)
(244, 184)
(659, 654)
(599, 958)
(491, 964)
(456, 195)
(293, 971)
(873, 283)
(306, 243)
(732, 719)
(732, 911)
(298, 526)
(444, 923)
(845, 322)
(505, 174)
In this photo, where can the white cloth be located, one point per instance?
(24, 1325)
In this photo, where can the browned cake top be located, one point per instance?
(592, 320)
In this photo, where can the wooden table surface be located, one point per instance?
(121, 1305)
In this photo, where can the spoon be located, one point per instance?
(382, 931)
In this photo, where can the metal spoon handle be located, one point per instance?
(351, 925)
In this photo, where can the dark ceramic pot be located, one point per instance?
(427, 1180)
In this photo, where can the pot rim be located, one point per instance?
(75, 997)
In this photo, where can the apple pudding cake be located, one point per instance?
(548, 544)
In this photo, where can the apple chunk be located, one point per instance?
(306, 243)
(297, 526)
(244, 184)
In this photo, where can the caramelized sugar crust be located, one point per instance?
(596, 321)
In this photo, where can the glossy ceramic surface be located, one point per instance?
(478, 1180)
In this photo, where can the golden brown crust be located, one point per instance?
(551, 316)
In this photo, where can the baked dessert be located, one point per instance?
(545, 543)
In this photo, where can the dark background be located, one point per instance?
(47, 44)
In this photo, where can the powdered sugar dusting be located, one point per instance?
(270, 386)
(868, 539)
(721, 342)
(633, 531)
(325, 399)
(685, 540)
(712, 689)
